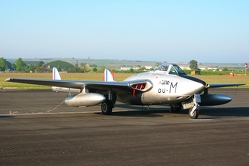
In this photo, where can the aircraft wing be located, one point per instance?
(139, 85)
(224, 85)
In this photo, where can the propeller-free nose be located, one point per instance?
(198, 85)
(196, 80)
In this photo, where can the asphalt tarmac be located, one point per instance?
(37, 128)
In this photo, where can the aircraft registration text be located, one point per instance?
(167, 86)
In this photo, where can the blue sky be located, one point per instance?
(167, 30)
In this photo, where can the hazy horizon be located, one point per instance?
(70, 60)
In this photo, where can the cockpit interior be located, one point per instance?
(170, 69)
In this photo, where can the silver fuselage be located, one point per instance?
(166, 89)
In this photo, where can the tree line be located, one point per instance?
(20, 66)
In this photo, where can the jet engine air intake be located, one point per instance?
(139, 86)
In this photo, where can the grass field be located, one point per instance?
(99, 77)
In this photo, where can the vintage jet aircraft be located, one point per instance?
(167, 84)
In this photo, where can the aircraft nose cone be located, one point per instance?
(200, 86)
(200, 81)
(196, 80)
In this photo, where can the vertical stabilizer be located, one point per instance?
(108, 77)
(55, 74)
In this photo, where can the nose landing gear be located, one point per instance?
(194, 112)
(193, 106)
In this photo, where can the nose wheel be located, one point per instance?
(193, 113)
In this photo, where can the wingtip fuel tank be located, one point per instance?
(214, 99)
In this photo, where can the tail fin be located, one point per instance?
(108, 77)
(55, 74)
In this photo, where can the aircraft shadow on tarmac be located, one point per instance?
(225, 111)
(138, 111)
(158, 112)
(7, 116)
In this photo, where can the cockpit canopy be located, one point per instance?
(170, 69)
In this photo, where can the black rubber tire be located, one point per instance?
(194, 115)
(106, 107)
(175, 108)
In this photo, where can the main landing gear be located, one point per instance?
(106, 107)
(108, 104)
(175, 108)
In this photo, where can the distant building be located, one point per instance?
(128, 68)
(34, 62)
(213, 69)
(203, 68)
(195, 72)
(148, 67)
(185, 68)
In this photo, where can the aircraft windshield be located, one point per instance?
(179, 70)
(172, 69)
(163, 67)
